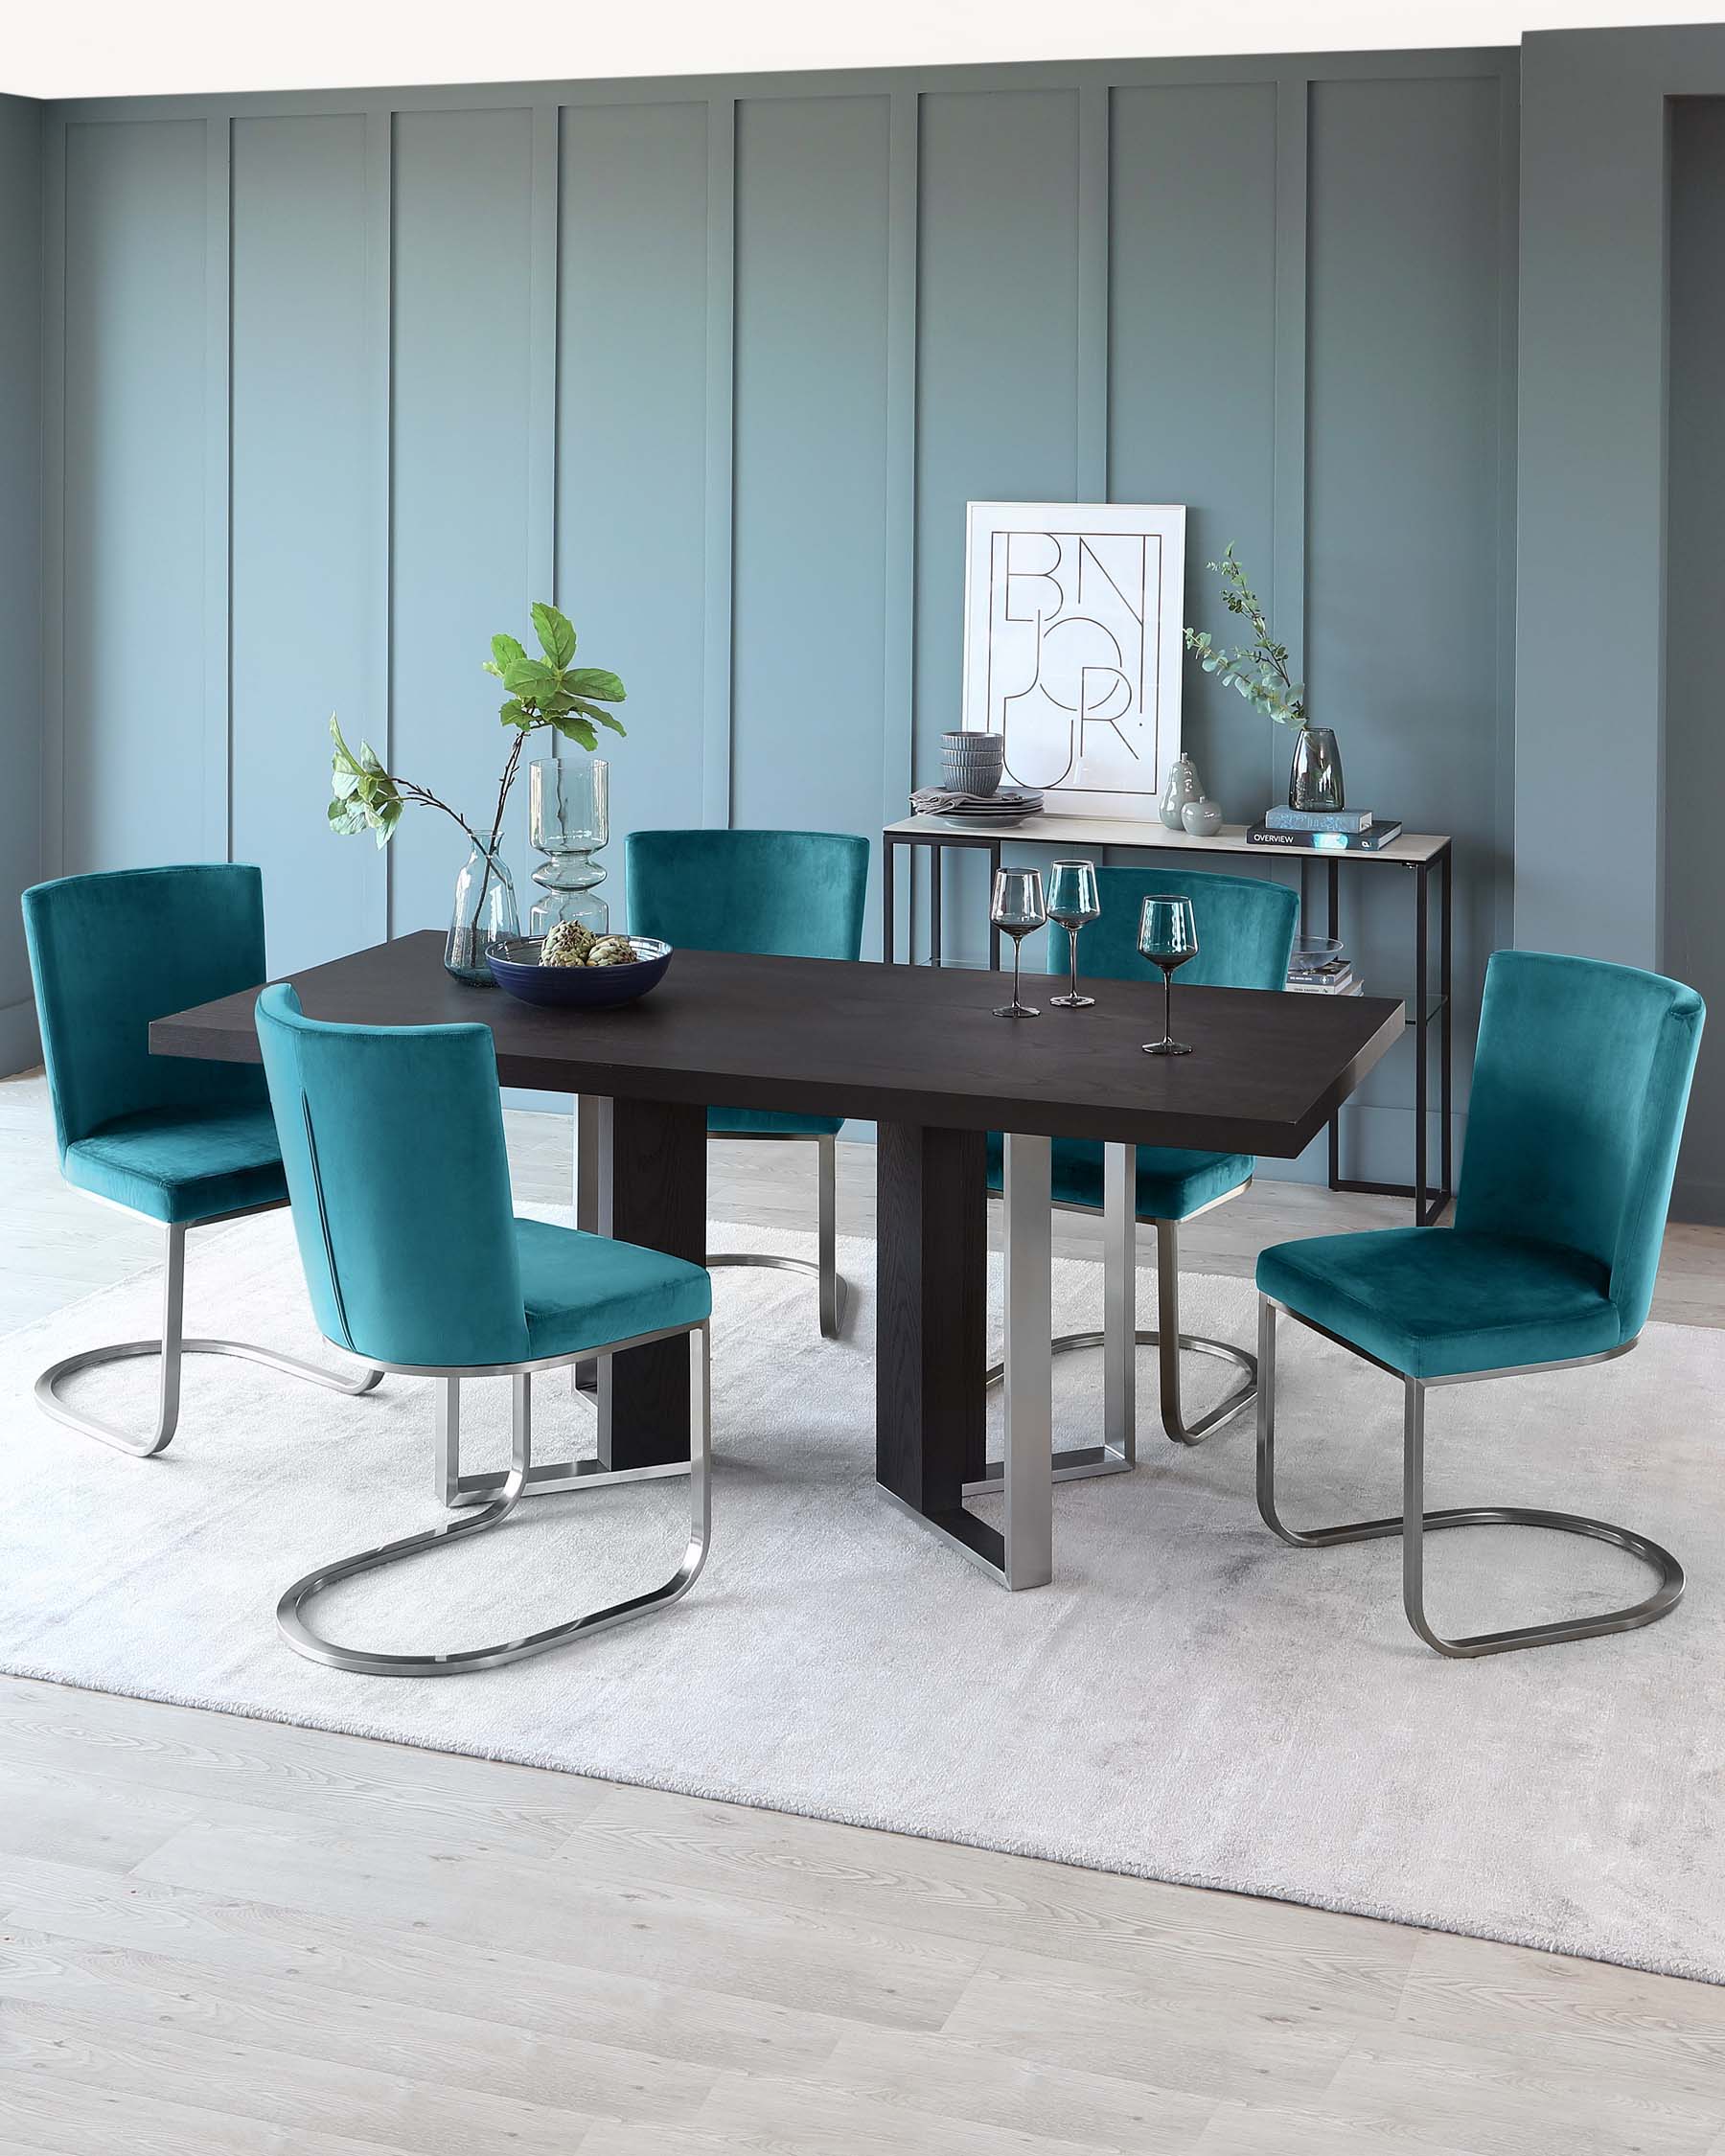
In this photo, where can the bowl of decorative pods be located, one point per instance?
(572, 968)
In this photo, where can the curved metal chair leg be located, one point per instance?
(1414, 1523)
(1170, 1339)
(825, 1269)
(290, 1615)
(171, 1347)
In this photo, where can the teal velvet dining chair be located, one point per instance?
(1580, 1081)
(1245, 938)
(392, 1138)
(181, 1142)
(788, 894)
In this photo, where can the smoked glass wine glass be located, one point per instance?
(1072, 902)
(1017, 911)
(1167, 936)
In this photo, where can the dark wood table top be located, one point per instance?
(892, 1043)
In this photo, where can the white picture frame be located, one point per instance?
(1072, 647)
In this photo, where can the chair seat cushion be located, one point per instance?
(1172, 1184)
(583, 1291)
(182, 1164)
(1439, 1301)
(770, 1122)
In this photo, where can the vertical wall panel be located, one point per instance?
(1405, 576)
(997, 340)
(1695, 758)
(811, 462)
(631, 440)
(135, 744)
(1192, 366)
(308, 615)
(21, 721)
(462, 402)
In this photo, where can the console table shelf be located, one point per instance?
(1416, 853)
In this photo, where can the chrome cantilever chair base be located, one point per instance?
(545, 1478)
(824, 1268)
(510, 1488)
(173, 1347)
(1118, 1454)
(1414, 1523)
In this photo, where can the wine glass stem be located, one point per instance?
(1018, 951)
(1072, 954)
(1167, 1006)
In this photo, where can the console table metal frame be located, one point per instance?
(1420, 853)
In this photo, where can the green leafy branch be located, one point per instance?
(551, 690)
(554, 691)
(1259, 670)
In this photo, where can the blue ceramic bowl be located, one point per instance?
(580, 988)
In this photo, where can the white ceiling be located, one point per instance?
(89, 48)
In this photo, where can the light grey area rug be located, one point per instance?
(1190, 1700)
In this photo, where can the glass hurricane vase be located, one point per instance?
(483, 917)
(568, 819)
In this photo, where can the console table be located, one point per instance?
(1419, 852)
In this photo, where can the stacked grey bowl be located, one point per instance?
(972, 767)
(971, 763)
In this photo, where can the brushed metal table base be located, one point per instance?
(1118, 1453)
(172, 1347)
(1413, 1522)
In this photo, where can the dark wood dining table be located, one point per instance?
(920, 1053)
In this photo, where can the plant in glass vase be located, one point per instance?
(1260, 672)
(546, 692)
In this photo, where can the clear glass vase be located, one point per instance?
(569, 819)
(483, 918)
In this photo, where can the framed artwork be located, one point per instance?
(1072, 617)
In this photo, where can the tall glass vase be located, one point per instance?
(483, 918)
(569, 819)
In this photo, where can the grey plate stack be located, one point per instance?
(977, 812)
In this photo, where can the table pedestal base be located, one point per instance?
(652, 1177)
(931, 1353)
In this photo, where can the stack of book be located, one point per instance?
(1320, 967)
(1325, 831)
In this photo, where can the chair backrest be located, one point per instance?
(392, 1138)
(1580, 1081)
(108, 953)
(1245, 928)
(795, 894)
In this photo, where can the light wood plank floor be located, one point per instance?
(221, 1938)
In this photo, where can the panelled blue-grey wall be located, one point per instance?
(1621, 569)
(20, 557)
(1694, 788)
(350, 379)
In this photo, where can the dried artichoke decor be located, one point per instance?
(568, 944)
